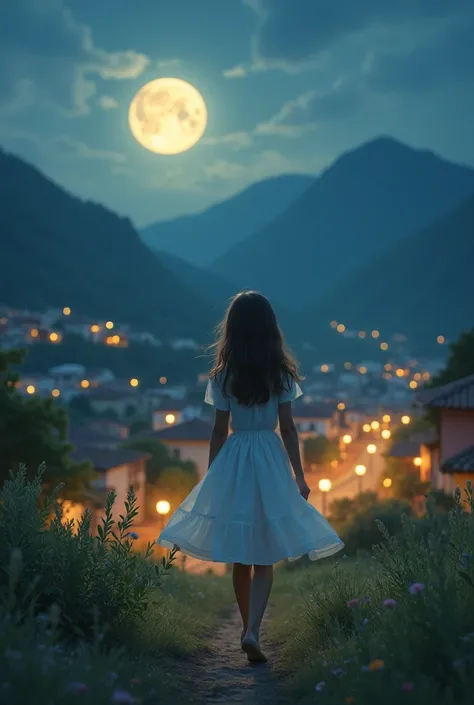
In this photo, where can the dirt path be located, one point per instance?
(224, 676)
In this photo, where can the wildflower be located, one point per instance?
(338, 672)
(133, 535)
(121, 697)
(415, 588)
(319, 687)
(376, 665)
(367, 599)
(353, 603)
(76, 687)
(389, 602)
(407, 687)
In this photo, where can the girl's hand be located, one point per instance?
(303, 487)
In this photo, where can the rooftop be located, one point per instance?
(192, 430)
(107, 458)
(461, 462)
(455, 395)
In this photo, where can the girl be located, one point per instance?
(248, 510)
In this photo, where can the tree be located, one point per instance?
(320, 451)
(460, 361)
(406, 483)
(33, 431)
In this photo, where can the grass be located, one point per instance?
(89, 620)
(395, 627)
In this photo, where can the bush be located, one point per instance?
(402, 623)
(91, 580)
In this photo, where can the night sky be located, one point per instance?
(289, 85)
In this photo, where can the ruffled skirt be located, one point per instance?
(247, 509)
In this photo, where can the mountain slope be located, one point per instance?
(60, 251)
(422, 286)
(203, 237)
(217, 291)
(368, 199)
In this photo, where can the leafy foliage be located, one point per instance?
(91, 579)
(320, 450)
(34, 429)
(460, 362)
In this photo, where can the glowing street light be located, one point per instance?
(375, 334)
(66, 311)
(417, 461)
(347, 439)
(85, 384)
(366, 428)
(163, 508)
(375, 425)
(371, 449)
(31, 389)
(387, 482)
(440, 339)
(134, 382)
(405, 420)
(324, 487)
(55, 393)
(360, 471)
(341, 328)
(109, 325)
(341, 406)
(170, 419)
(386, 434)
(386, 418)
(163, 380)
(384, 346)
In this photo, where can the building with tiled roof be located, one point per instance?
(188, 440)
(452, 460)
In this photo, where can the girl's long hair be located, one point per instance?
(251, 359)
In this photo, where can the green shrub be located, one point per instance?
(361, 531)
(399, 627)
(91, 579)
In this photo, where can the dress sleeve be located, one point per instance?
(290, 393)
(215, 398)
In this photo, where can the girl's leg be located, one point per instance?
(241, 578)
(260, 590)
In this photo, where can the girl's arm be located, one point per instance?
(219, 434)
(289, 436)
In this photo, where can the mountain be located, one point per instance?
(369, 199)
(203, 237)
(421, 286)
(217, 291)
(58, 250)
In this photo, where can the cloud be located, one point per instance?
(238, 139)
(445, 57)
(41, 43)
(238, 71)
(292, 33)
(168, 64)
(107, 102)
(68, 148)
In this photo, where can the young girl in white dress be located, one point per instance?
(248, 509)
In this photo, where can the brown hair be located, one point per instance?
(251, 359)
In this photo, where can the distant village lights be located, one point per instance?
(324, 368)
(413, 384)
(333, 324)
(163, 380)
(31, 389)
(384, 346)
(85, 384)
(341, 328)
(387, 482)
(66, 311)
(54, 337)
(170, 419)
(375, 334)
(440, 339)
(405, 420)
(386, 434)
(371, 449)
(362, 334)
(95, 328)
(341, 406)
(55, 393)
(134, 382)
(109, 325)
(375, 425)
(34, 332)
(386, 418)
(417, 461)
(366, 428)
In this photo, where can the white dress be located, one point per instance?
(247, 508)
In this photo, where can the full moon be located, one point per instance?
(168, 116)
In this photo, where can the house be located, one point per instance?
(416, 452)
(117, 469)
(315, 419)
(188, 440)
(173, 411)
(122, 402)
(453, 458)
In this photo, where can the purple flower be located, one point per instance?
(367, 599)
(352, 603)
(133, 535)
(389, 602)
(415, 588)
(319, 687)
